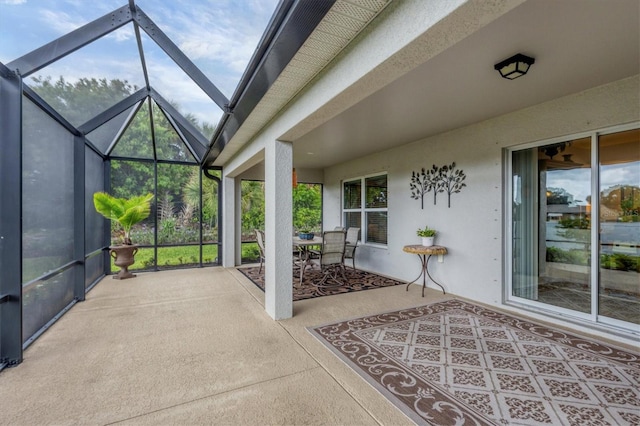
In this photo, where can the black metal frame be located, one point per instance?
(10, 218)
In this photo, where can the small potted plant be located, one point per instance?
(125, 212)
(428, 235)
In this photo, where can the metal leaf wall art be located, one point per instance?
(439, 180)
(423, 182)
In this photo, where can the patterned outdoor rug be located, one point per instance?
(357, 281)
(455, 363)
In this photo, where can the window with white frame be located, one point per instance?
(364, 205)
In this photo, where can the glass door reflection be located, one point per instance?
(564, 240)
(619, 232)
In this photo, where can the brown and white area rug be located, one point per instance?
(356, 281)
(456, 363)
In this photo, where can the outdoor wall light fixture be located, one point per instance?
(514, 67)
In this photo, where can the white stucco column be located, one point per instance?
(228, 237)
(278, 300)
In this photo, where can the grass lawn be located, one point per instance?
(173, 256)
(167, 257)
(185, 255)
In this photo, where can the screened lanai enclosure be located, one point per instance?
(65, 136)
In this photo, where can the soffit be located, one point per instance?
(344, 21)
(577, 46)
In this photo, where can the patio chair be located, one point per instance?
(353, 235)
(260, 240)
(332, 256)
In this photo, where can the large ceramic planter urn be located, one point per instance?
(124, 257)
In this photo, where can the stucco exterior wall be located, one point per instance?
(472, 228)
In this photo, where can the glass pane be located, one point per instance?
(178, 207)
(130, 178)
(88, 81)
(524, 234)
(619, 291)
(565, 238)
(103, 136)
(210, 213)
(252, 205)
(45, 22)
(144, 260)
(94, 268)
(136, 140)
(43, 300)
(352, 194)
(552, 222)
(191, 137)
(376, 192)
(47, 191)
(176, 86)
(222, 51)
(169, 146)
(377, 227)
(94, 182)
(352, 220)
(210, 254)
(178, 257)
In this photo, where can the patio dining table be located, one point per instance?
(304, 248)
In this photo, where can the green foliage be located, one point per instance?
(252, 205)
(575, 229)
(426, 232)
(33, 267)
(126, 212)
(573, 256)
(620, 262)
(84, 99)
(191, 196)
(250, 252)
(307, 207)
(616, 261)
(173, 256)
(575, 223)
(131, 177)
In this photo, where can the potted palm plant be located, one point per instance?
(428, 235)
(125, 212)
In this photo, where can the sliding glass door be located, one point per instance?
(619, 274)
(574, 226)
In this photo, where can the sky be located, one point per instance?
(219, 36)
(577, 182)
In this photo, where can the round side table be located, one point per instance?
(425, 253)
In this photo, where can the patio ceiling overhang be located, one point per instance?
(445, 79)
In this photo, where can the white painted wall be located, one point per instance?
(472, 228)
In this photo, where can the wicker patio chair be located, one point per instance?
(332, 256)
(353, 235)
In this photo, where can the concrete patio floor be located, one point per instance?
(196, 347)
